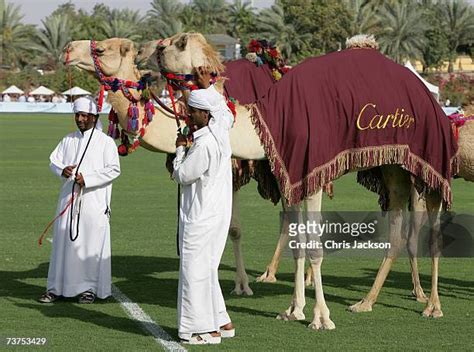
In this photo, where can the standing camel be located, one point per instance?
(186, 52)
(418, 204)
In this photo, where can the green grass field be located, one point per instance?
(145, 265)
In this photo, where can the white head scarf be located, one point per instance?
(222, 119)
(87, 105)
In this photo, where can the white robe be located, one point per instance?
(205, 175)
(84, 264)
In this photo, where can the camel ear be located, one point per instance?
(125, 47)
(182, 42)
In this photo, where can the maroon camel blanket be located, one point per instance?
(349, 110)
(246, 81)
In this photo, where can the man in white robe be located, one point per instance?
(80, 261)
(205, 176)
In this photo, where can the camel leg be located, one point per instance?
(397, 183)
(241, 278)
(417, 219)
(272, 268)
(298, 302)
(433, 204)
(269, 274)
(321, 319)
(308, 281)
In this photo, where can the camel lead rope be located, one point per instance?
(173, 103)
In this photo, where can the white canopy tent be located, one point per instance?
(12, 90)
(41, 90)
(431, 87)
(76, 91)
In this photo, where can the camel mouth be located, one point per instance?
(70, 62)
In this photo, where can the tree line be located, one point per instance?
(427, 30)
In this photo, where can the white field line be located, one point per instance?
(134, 311)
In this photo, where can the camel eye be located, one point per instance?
(100, 50)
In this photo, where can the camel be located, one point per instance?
(117, 58)
(185, 52)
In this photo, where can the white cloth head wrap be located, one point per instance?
(87, 105)
(211, 100)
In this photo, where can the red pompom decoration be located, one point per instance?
(273, 53)
(122, 150)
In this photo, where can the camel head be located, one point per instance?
(116, 56)
(147, 51)
(184, 52)
(466, 151)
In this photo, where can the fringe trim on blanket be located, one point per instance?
(348, 160)
(267, 184)
(259, 170)
(241, 173)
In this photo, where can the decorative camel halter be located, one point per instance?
(183, 82)
(115, 84)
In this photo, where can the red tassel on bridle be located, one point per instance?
(113, 125)
(100, 101)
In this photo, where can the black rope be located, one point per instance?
(177, 225)
(179, 210)
(72, 191)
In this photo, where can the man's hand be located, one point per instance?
(80, 180)
(181, 140)
(68, 170)
(203, 77)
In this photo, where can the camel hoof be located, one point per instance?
(422, 299)
(362, 306)
(266, 277)
(431, 311)
(322, 324)
(294, 316)
(240, 290)
(420, 296)
(308, 283)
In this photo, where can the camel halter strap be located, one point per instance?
(457, 121)
(115, 84)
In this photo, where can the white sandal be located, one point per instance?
(203, 339)
(227, 333)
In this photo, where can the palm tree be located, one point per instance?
(123, 24)
(15, 37)
(52, 39)
(273, 27)
(402, 29)
(164, 17)
(364, 20)
(241, 18)
(458, 23)
(210, 15)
